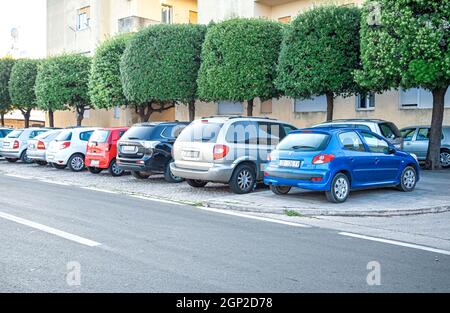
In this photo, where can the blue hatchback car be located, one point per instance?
(337, 160)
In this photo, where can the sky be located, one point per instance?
(29, 17)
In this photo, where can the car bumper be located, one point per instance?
(95, 161)
(146, 164)
(38, 155)
(217, 173)
(12, 154)
(58, 158)
(305, 179)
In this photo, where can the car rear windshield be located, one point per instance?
(15, 134)
(200, 132)
(140, 133)
(100, 136)
(64, 136)
(389, 130)
(304, 142)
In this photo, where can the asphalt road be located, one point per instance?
(126, 244)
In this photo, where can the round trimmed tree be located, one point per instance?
(406, 43)
(239, 60)
(160, 65)
(6, 65)
(21, 87)
(62, 83)
(319, 54)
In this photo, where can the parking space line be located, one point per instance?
(49, 230)
(19, 176)
(155, 199)
(397, 243)
(100, 190)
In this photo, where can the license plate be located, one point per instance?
(31, 147)
(95, 163)
(128, 148)
(191, 154)
(6, 144)
(289, 163)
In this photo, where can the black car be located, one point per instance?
(146, 149)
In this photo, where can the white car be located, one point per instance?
(69, 148)
(15, 144)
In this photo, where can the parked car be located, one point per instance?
(102, 151)
(15, 144)
(386, 129)
(69, 148)
(146, 149)
(230, 150)
(338, 160)
(416, 140)
(3, 133)
(37, 147)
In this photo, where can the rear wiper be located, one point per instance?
(302, 147)
(133, 138)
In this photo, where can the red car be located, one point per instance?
(102, 151)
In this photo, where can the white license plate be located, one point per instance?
(6, 144)
(95, 163)
(289, 163)
(191, 154)
(31, 147)
(128, 148)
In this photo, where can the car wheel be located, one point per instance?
(340, 189)
(408, 179)
(76, 162)
(243, 179)
(114, 169)
(280, 190)
(140, 175)
(41, 163)
(24, 158)
(10, 160)
(445, 158)
(95, 170)
(169, 177)
(196, 183)
(59, 166)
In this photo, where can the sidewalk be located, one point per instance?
(432, 195)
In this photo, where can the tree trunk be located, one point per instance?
(191, 106)
(80, 115)
(250, 107)
(144, 112)
(26, 116)
(2, 117)
(51, 119)
(330, 106)
(434, 146)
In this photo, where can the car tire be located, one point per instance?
(140, 175)
(196, 183)
(408, 179)
(41, 163)
(24, 158)
(95, 170)
(114, 169)
(59, 166)
(169, 177)
(243, 179)
(76, 162)
(445, 158)
(339, 190)
(280, 190)
(11, 160)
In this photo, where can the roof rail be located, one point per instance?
(240, 116)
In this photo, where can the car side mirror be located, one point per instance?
(392, 150)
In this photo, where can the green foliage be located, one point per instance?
(405, 43)
(161, 63)
(6, 65)
(62, 83)
(105, 86)
(319, 53)
(239, 60)
(21, 84)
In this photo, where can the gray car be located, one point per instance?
(37, 147)
(416, 141)
(230, 150)
(15, 144)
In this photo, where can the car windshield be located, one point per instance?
(200, 132)
(15, 134)
(100, 136)
(64, 136)
(389, 130)
(139, 133)
(304, 142)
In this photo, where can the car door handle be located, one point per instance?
(377, 161)
(352, 159)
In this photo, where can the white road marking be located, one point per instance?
(54, 182)
(156, 199)
(50, 230)
(397, 243)
(100, 190)
(19, 176)
(265, 219)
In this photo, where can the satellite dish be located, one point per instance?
(14, 33)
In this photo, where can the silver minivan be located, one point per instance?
(231, 150)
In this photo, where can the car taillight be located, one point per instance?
(220, 151)
(16, 144)
(269, 157)
(40, 145)
(64, 145)
(323, 158)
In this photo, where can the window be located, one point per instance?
(315, 104)
(242, 132)
(172, 132)
(287, 129)
(200, 132)
(420, 98)
(36, 133)
(65, 135)
(266, 106)
(269, 133)
(84, 136)
(117, 111)
(423, 134)
(193, 17)
(230, 108)
(100, 136)
(285, 19)
(408, 133)
(351, 141)
(389, 130)
(304, 142)
(166, 14)
(83, 18)
(365, 102)
(139, 133)
(375, 144)
(15, 134)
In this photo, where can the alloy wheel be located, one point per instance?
(341, 188)
(409, 178)
(77, 163)
(244, 179)
(116, 170)
(445, 159)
